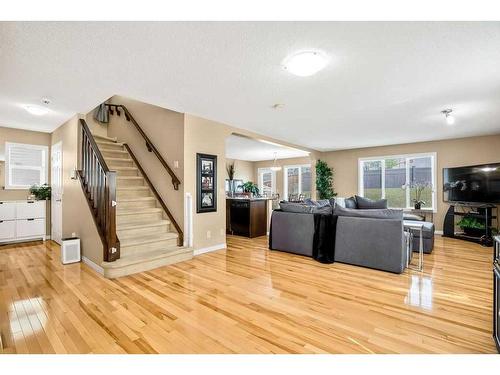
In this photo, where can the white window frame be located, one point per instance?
(43, 169)
(407, 157)
(285, 178)
(260, 181)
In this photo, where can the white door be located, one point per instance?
(57, 191)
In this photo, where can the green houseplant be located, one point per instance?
(324, 180)
(41, 192)
(472, 226)
(250, 187)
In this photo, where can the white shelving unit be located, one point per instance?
(22, 221)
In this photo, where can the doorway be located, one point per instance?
(56, 170)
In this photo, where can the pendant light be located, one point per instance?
(275, 167)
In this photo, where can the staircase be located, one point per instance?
(147, 238)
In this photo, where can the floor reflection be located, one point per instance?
(30, 312)
(420, 292)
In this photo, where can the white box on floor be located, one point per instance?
(70, 250)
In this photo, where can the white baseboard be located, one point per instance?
(440, 232)
(209, 249)
(92, 265)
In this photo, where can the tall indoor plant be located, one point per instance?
(230, 173)
(324, 180)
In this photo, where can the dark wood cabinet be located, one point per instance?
(246, 217)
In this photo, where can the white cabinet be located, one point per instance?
(7, 210)
(7, 230)
(22, 220)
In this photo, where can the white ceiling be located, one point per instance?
(244, 148)
(386, 82)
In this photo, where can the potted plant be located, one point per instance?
(250, 188)
(230, 173)
(324, 180)
(41, 193)
(472, 226)
(419, 188)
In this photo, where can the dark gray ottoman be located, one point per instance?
(428, 236)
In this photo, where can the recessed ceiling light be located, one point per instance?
(36, 110)
(305, 64)
(450, 120)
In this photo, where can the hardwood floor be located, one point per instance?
(247, 299)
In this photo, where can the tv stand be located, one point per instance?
(481, 215)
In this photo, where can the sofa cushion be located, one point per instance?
(412, 217)
(369, 213)
(350, 203)
(320, 203)
(299, 208)
(366, 203)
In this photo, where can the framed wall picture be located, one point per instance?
(206, 183)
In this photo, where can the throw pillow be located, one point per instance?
(295, 207)
(365, 203)
(350, 203)
(369, 213)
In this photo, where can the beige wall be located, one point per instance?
(450, 153)
(280, 174)
(28, 137)
(77, 217)
(244, 170)
(18, 136)
(208, 137)
(165, 128)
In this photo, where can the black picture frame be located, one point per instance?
(206, 183)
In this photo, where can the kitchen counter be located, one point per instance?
(246, 216)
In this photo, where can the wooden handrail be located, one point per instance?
(180, 239)
(99, 185)
(149, 145)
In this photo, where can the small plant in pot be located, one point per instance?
(41, 193)
(419, 188)
(250, 188)
(472, 226)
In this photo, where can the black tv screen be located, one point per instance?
(473, 184)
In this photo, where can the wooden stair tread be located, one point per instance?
(135, 199)
(124, 168)
(106, 143)
(133, 241)
(109, 139)
(138, 187)
(117, 159)
(156, 223)
(147, 256)
(130, 178)
(138, 211)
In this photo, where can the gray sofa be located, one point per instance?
(368, 238)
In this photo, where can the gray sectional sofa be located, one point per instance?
(371, 238)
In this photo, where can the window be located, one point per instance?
(297, 181)
(267, 184)
(25, 165)
(394, 178)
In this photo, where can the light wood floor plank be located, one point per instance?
(247, 299)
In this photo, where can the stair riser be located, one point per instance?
(127, 173)
(115, 154)
(139, 193)
(136, 249)
(111, 273)
(130, 182)
(138, 218)
(136, 205)
(119, 163)
(112, 147)
(128, 233)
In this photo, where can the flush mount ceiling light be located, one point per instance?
(305, 64)
(450, 120)
(36, 110)
(275, 167)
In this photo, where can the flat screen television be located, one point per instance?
(472, 184)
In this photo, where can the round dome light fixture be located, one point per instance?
(306, 63)
(36, 110)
